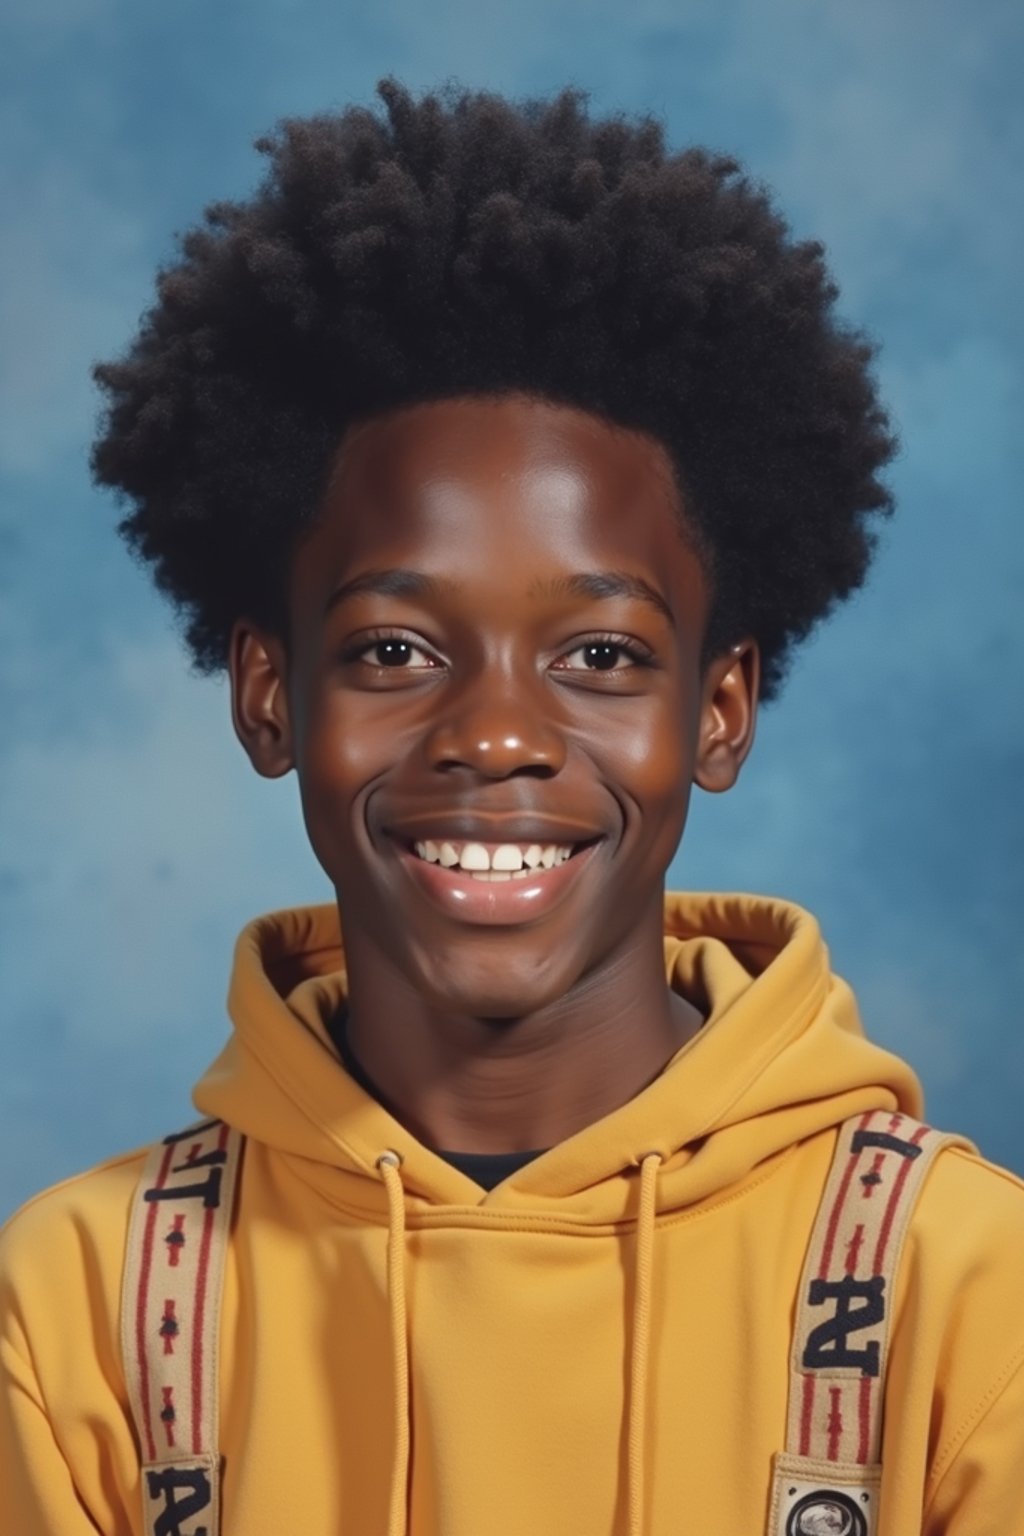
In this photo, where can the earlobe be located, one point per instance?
(259, 699)
(728, 716)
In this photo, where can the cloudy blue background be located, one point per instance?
(885, 788)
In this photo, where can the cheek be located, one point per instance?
(648, 760)
(656, 741)
(652, 756)
(341, 753)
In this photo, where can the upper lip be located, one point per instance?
(519, 828)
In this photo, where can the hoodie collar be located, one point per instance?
(782, 1055)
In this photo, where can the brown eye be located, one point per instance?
(392, 653)
(601, 656)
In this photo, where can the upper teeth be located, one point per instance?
(506, 858)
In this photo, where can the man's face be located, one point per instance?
(494, 658)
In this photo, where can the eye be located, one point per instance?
(393, 653)
(607, 653)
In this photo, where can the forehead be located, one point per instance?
(508, 479)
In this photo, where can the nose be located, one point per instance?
(496, 730)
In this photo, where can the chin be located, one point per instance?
(495, 987)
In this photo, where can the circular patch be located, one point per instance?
(826, 1513)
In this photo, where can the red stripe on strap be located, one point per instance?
(199, 1311)
(837, 1208)
(145, 1272)
(835, 1422)
(806, 1414)
(894, 1200)
(864, 1414)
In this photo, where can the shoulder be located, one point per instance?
(958, 1338)
(68, 1245)
(68, 1239)
(960, 1279)
(963, 1261)
(971, 1210)
(963, 1267)
(96, 1192)
(67, 1444)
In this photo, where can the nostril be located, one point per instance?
(465, 739)
(497, 764)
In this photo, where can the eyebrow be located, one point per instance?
(606, 584)
(398, 581)
(394, 582)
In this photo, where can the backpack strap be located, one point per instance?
(828, 1477)
(170, 1315)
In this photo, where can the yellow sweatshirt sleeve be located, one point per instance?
(963, 1338)
(39, 1497)
(68, 1459)
(979, 1490)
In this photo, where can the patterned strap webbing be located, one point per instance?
(828, 1477)
(170, 1314)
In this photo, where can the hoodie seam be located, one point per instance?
(814, 1000)
(970, 1154)
(954, 1446)
(474, 1216)
(136, 1155)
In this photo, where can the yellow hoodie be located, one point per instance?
(537, 1402)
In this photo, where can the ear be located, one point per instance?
(257, 666)
(728, 716)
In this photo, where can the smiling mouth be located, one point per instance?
(496, 862)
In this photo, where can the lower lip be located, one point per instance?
(496, 902)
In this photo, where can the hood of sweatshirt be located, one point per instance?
(781, 1056)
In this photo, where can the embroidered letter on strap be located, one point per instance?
(827, 1479)
(170, 1315)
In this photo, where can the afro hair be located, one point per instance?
(464, 244)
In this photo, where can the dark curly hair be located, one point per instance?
(465, 244)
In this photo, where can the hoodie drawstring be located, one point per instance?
(398, 1502)
(389, 1164)
(640, 1351)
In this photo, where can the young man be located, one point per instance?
(501, 456)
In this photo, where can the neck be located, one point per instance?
(469, 1084)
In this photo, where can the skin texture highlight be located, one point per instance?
(538, 677)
